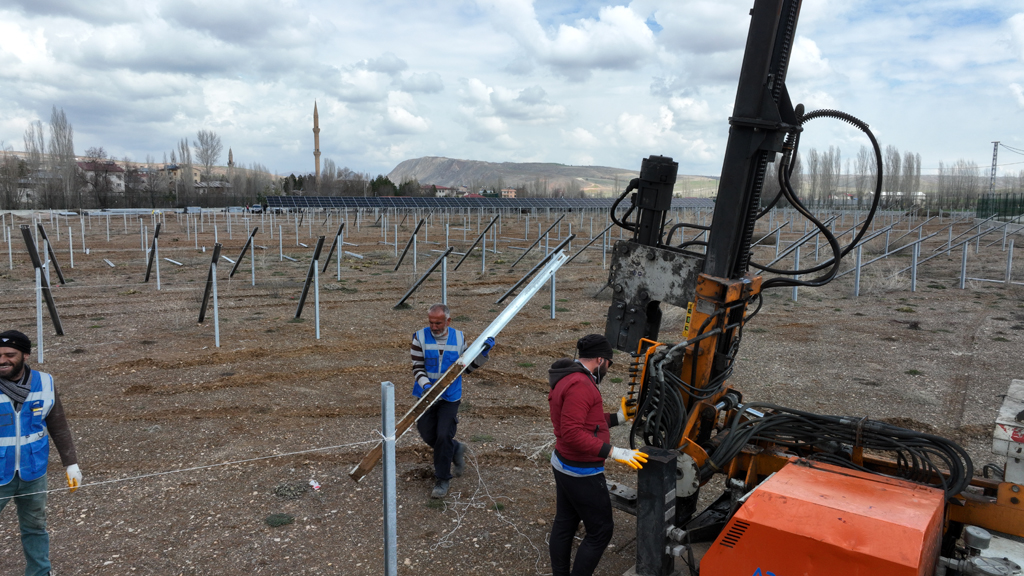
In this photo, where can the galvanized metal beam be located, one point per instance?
(371, 459)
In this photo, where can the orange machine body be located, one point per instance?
(822, 520)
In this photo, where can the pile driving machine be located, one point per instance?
(803, 494)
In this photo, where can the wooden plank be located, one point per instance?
(425, 402)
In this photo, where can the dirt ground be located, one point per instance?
(157, 410)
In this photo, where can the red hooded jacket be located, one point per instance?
(578, 416)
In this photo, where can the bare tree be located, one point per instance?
(12, 170)
(814, 175)
(96, 153)
(891, 182)
(62, 158)
(207, 151)
(184, 187)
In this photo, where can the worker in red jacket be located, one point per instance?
(581, 447)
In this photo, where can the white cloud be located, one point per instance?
(425, 82)
(528, 105)
(1016, 24)
(400, 118)
(806, 62)
(691, 109)
(579, 138)
(387, 63)
(617, 40)
(1018, 93)
(703, 26)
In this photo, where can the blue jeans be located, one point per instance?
(35, 541)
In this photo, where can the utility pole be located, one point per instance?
(995, 156)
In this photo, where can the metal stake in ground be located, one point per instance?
(309, 275)
(334, 244)
(209, 282)
(45, 286)
(49, 248)
(534, 269)
(152, 253)
(411, 238)
(387, 410)
(477, 241)
(424, 277)
(241, 255)
(539, 237)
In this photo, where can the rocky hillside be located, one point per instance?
(536, 176)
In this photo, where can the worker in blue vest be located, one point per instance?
(434, 349)
(30, 414)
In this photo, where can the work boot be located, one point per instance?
(459, 460)
(440, 489)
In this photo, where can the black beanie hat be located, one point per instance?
(594, 346)
(16, 340)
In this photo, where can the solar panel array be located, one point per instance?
(402, 202)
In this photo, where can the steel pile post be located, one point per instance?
(796, 266)
(45, 286)
(444, 277)
(477, 241)
(39, 314)
(49, 250)
(334, 244)
(540, 236)
(913, 265)
(963, 268)
(443, 261)
(408, 244)
(309, 275)
(210, 278)
(151, 254)
(316, 296)
(856, 276)
(390, 490)
(245, 247)
(1009, 262)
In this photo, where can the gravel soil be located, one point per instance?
(191, 452)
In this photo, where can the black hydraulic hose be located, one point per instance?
(633, 185)
(786, 190)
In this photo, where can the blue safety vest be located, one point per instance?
(24, 443)
(438, 358)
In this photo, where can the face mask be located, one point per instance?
(602, 370)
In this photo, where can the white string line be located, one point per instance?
(445, 541)
(204, 467)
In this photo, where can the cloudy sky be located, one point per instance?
(576, 82)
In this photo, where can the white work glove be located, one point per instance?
(635, 459)
(74, 474)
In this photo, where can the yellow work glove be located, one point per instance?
(635, 459)
(74, 474)
(625, 413)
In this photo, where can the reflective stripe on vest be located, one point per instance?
(24, 443)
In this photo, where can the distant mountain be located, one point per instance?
(474, 174)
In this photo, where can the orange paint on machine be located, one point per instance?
(812, 519)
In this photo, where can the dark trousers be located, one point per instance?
(437, 427)
(580, 499)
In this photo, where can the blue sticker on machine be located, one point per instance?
(758, 572)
